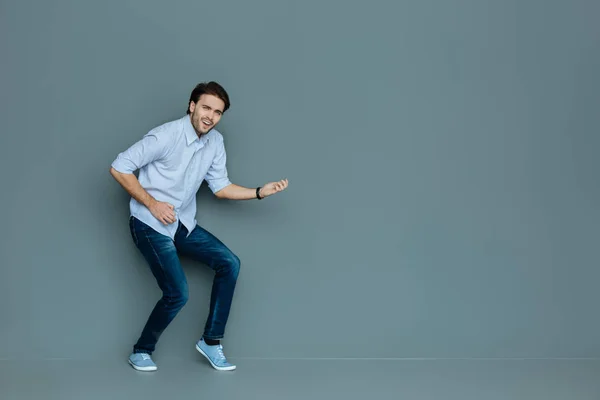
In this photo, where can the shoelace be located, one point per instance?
(145, 356)
(220, 352)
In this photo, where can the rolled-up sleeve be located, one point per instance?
(154, 145)
(217, 177)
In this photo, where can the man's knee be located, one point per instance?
(233, 264)
(178, 298)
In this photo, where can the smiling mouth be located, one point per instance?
(206, 123)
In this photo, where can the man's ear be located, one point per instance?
(192, 106)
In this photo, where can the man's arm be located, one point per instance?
(236, 192)
(164, 212)
(223, 188)
(153, 146)
(131, 184)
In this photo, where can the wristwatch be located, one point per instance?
(258, 193)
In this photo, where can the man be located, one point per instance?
(173, 160)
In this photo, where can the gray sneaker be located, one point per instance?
(142, 362)
(214, 354)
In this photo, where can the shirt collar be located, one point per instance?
(190, 132)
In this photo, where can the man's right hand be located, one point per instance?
(164, 212)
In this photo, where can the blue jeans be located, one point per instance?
(161, 253)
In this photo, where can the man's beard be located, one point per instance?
(197, 128)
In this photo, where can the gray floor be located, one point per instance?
(305, 379)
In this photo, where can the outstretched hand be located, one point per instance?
(271, 188)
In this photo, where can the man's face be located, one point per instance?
(206, 113)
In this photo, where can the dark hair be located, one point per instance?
(212, 88)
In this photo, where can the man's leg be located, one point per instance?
(160, 253)
(202, 246)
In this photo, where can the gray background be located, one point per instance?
(442, 158)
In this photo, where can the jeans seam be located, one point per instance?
(135, 238)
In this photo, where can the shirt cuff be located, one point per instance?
(123, 166)
(218, 184)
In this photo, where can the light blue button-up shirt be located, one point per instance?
(173, 162)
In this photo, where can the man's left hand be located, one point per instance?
(271, 188)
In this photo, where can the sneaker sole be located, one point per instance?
(211, 363)
(144, 369)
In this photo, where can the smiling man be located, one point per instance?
(173, 160)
